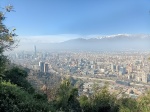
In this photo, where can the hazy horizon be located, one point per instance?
(135, 41)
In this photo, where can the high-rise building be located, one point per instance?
(113, 67)
(122, 70)
(46, 67)
(41, 64)
(35, 51)
(144, 77)
(117, 68)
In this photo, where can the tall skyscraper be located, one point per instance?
(113, 67)
(41, 64)
(144, 77)
(117, 68)
(46, 67)
(34, 50)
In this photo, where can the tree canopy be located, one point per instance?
(7, 36)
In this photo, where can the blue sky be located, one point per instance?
(78, 17)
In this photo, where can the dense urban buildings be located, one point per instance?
(127, 72)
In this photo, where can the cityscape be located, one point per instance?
(127, 73)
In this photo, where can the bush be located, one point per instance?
(18, 76)
(14, 99)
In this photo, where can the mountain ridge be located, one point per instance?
(117, 36)
(115, 42)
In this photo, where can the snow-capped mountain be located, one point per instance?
(100, 43)
(112, 42)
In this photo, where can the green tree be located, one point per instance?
(7, 38)
(144, 102)
(66, 98)
(128, 105)
(18, 76)
(14, 99)
(103, 101)
(3, 62)
(85, 103)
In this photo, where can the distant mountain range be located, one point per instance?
(117, 42)
(108, 43)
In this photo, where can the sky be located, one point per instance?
(60, 20)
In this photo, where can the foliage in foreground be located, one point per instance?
(67, 98)
(18, 76)
(14, 99)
